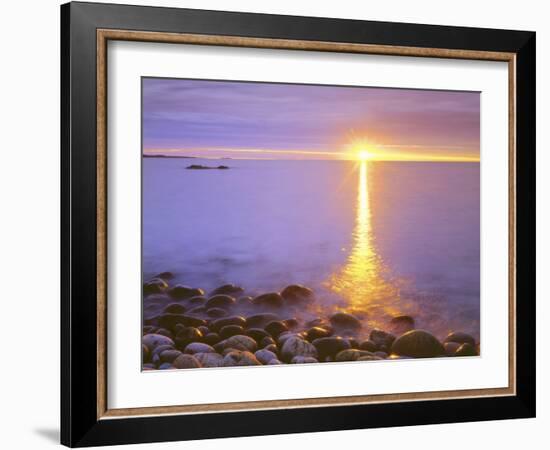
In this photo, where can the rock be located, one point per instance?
(291, 323)
(216, 313)
(170, 320)
(260, 320)
(175, 308)
(401, 324)
(155, 286)
(244, 302)
(186, 336)
(152, 341)
(186, 362)
(231, 330)
(272, 348)
(267, 341)
(264, 356)
(240, 358)
(209, 359)
(218, 324)
(398, 357)
(303, 360)
(201, 167)
(168, 356)
(274, 362)
(204, 330)
(354, 343)
(466, 349)
(330, 346)
(317, 322)
(257, 334)
(461, 338)
(148, 329)
(239, 342)
(368, 345)
(316, 333)
(220, 301)
(370, 358)
(297, 292)
(197, 300)
(269, 300)
(275, 328)
(351, 355)
(165, 276)
(382, 355)
(145, 353)
(451, 348)
(345, 321)
(180, 291)
(198, 347)
(155, 356)
(165, 332)
(284, 336)
(148, 366)
(211, 338)
(417, 344)
(381, 338)
(166, 366)
(295, 346)
(228, 289)
(197, 311)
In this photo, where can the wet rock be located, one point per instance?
(417, 344)
(317, 322)
(264, 356)
(295, 346)
(244, 302)
(155, 355)
(228, 289)
(291, 323)
(451, 348)
(218, 324)
(197, 311)
(345, 321)
(269, 300)
(272, 348)
(186, 362)
(186, 336)
(274, 362)
(170, 320)
(398, 357)
(240, 358)
(297, 292)
(204, 330)
(220, 301)
(284, 336)
(354, 343)
(176, 308)
(197, 300)
(260, 320)
(165, 276)
(401, 324)
(154, 286)
(239, 342)
(275, 328)
(466, 349)
(148, 366)
(351, 355)
(152, 341)
(180, 291)
(368, 345)
(148, 329)
(303, 360)
(461, 338)
(257, 334)
(211, 338)
(166, 366)
(216, 313)
(330, 346)
(198, 347)
(231, 330)
(316, 333)
(168, 356)
(209, 359)
(382, 355)
(145, 353)
(370, 358)
(267, 341)
(382, 339)
(165, 332)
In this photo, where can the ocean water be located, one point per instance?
(376, 239)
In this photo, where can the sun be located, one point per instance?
(364, 155)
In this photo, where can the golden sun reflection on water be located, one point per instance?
(361, 282)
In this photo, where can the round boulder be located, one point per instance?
(303, 360)
(330, 346)
(466, 349)
(220, 301)
(297, 292)
(198, 347)
(264, 356)
(209, 359)
(186, 362)
(155, 286)
(295, 346)
(460, 338)
(417, 344)
(228, 289)
(240, 358)
(180, 291)
(152, 341)
(344, 321)
(269, 300)
(238, 342)
(260, 320)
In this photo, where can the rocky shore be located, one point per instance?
(183, 328)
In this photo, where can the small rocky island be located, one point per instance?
(183, 328)
(201, 167)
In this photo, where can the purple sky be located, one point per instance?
(268, 120)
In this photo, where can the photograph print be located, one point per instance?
(308, 224)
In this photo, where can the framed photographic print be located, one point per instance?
(277, 224)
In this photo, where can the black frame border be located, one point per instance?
(79, 423)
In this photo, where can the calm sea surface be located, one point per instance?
(373, 238)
